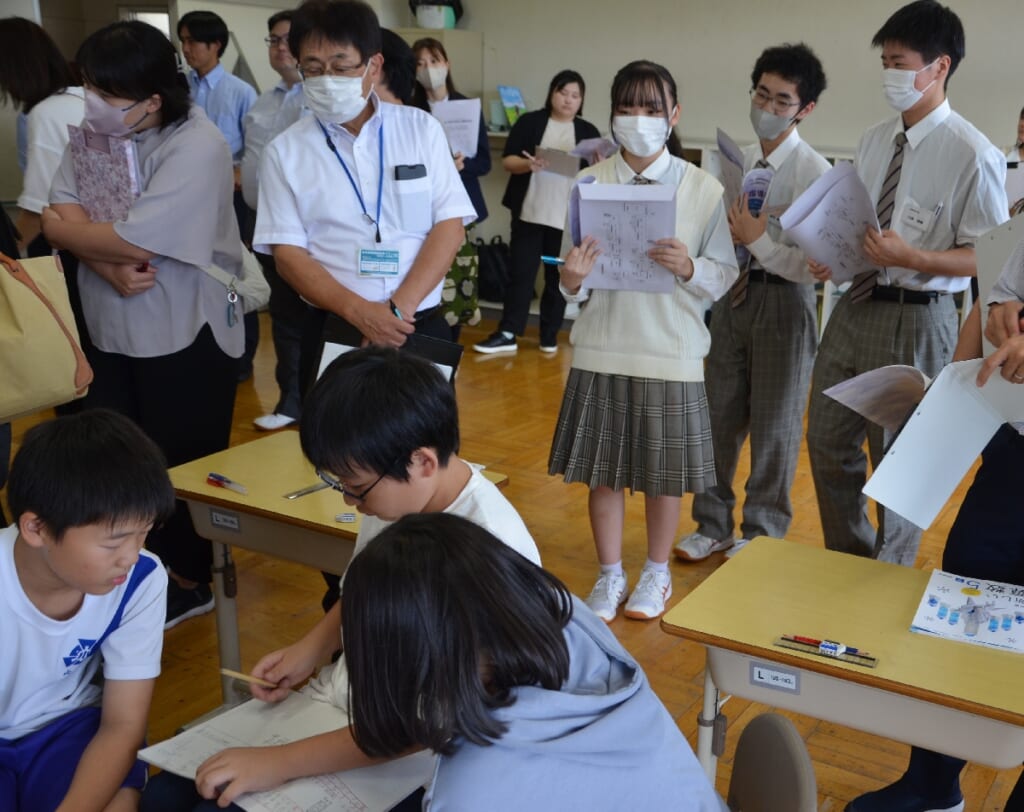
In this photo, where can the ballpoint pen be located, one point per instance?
(552, 260)
(221, 481)
(319, 486)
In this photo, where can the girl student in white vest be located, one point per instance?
(634, 414)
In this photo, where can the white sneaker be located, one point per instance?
(273, 422)
(549, 349)
(648, 599)
(697, 547)
(737, 545)
(607, 596)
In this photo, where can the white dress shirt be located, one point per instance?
(953, 178)
(306, 200)
(273, 113)
(796, 166)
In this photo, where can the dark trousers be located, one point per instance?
(986, 541)
(287, 315)
(527, 243)
(184, 402)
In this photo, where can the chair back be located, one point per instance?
(772, 771)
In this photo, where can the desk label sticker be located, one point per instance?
(774, 677)
(225, 521)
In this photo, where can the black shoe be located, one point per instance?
(185, 603)
(496, 342)
(899, 797)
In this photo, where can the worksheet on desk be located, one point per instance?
(627, 220)
(261, 724)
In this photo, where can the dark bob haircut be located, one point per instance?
(399, 66)
(372, 408)
(794, 63)
(95, 467)
(560, 80)
(32, 67)
(647, 84)
(205, 26)
(344, 22)
(134, 60)
(428, 605)
(928, 27)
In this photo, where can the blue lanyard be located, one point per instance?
(380, 177)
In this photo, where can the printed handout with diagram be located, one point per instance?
(971, 610)
(626, 220)
(461, 121)
(944, 435)
(829, 220)
(260, 724)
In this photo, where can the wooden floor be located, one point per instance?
(508, 407)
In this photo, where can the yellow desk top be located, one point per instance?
(269, 468)
(776, 587)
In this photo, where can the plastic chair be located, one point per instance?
(772, 771)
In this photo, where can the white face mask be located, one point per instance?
(642, 136)
(102, 117)
(432, 78)
(898, 86)
(767, 125)
(335, 99)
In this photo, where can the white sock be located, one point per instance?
(654, 565)
(612, 569)
(506, 334)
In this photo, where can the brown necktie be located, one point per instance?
(864, 282)
(738, 291)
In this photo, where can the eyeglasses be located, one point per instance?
(274, 41)
(338, 485)
(316, 69)
(779, 104)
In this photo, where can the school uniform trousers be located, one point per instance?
(757, 375)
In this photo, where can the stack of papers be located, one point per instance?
(971, 610)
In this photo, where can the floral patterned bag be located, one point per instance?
(461, 287)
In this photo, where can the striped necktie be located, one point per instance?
(738, 291)
(640, 180)
(864, 282)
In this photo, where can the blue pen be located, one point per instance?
(552, 260)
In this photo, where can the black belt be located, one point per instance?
(426, 313)
(761, 275)
(891, 293)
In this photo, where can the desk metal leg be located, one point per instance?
(706, 727)
(224, 590)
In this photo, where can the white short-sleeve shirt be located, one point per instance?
(306, 199)
(46, 137)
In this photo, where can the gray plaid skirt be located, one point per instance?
(622, 432)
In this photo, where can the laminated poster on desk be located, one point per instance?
(972, 610)
(263, 724)
(917, 475)
(829, 220)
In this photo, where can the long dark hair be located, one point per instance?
(441, 621)
(647, 84)
(32, 67)
(134, 60)
(436, 49)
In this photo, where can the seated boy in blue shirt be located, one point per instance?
(77, 589)
(382, 427)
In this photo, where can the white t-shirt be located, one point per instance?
(47, 136)
(46, 669)
(547, 195)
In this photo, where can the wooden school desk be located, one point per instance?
(304, 530)
(957, 698)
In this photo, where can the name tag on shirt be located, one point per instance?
(380, 260)
(919, 218)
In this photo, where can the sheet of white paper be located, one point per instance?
(589, 147)
(728, 148)
(627, 220)
(1014, 184)
(942, 439)
(259, 724)
(332, 351)
(829, 219)
(574, 208)
(884, 396)
(461, 121)
(559, 162)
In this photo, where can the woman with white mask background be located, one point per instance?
(538, 200)
(634, 414)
